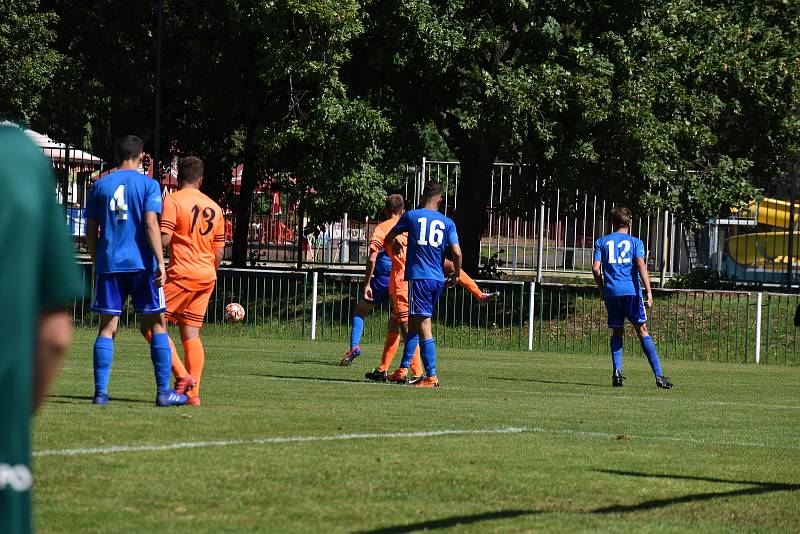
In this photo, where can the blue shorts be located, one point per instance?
(380, 290)
(113, 290)
(629, 307)
(422, 297)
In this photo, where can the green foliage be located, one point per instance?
(27, 58)
(699, 279)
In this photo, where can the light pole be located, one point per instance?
(157, 119)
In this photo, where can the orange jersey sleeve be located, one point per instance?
(377, 238)
(219, 231)
(169, 216)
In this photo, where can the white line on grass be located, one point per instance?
(394, 435)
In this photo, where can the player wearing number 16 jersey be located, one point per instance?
(193, 228)
(429, 234)
(619, 262)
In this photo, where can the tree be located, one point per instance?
(27, 59)
(641, 102)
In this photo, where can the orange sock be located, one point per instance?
(416, 364)
(178, 370)
(195, 359)
(470, 285)
(389, 349)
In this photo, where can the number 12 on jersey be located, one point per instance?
(433, 236)
(625, 248)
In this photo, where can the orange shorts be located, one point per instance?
(399, 298)
(187, 306)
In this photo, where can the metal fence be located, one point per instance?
(736, 327)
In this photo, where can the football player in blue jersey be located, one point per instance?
(124, 241)
(430, 234)
(619, 263)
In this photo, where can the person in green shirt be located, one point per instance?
(39, 277)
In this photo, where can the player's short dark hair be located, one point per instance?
(621, 217)
(190, 169)
(432, 189)
(128, 147)
(394, 204)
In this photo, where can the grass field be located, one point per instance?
(512, 442)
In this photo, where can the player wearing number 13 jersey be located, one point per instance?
(619, 263)
(193, 228)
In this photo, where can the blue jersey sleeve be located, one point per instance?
(639, 252)
(452, 235)
(153, 201)
(91, 204)
(598, 250)
(403, 225)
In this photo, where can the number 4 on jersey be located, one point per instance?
(118, 204)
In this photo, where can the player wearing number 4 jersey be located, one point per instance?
(193, 228)
(619, 262)
(124, 241)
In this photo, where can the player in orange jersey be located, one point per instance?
(193, 228)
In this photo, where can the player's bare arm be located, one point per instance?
(219, 253)
(368, 272)
(390, 240)
(166, 240)
(153, 230)
(598, 275)
(53, 339)
(92, 227)
(452, 280)
(645, 276)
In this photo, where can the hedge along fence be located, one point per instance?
(725, 326)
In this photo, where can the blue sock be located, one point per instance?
(616, 352)
(161, 355)
(357, 331)
(649, 349)
(103, 355)
(427, 350)
(412, 340)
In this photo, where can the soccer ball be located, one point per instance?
(234, 312)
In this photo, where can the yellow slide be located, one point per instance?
(765, 251)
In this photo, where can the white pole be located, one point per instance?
(664, 250)
(344, 248)
(541, 245)
(759, 298)
(314, 281)
(530, 314)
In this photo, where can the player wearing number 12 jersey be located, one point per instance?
(619, 262)
(193, 228)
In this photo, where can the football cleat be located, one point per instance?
(663, 382)
(428, 382)
(398, 377)
(184, 384)
(414, 380)
(351, 355)
(488, 297)
(100, 398)
(170, 398)
(193, 401)
(376, 375)
(617, 378)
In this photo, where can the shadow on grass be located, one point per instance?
(310, 362)
(70, 399)
(509, 379)
(454, 521)
(753, 488)
(315, 379)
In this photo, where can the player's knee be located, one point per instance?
(641, 331)
(618, 332)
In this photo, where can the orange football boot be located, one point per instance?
(428, 382)
(398, 377)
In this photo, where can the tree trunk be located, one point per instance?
(473, 200)
(244, 204)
